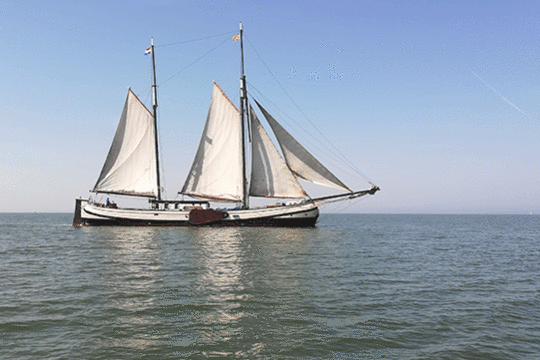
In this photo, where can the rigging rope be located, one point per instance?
(197, 60)
(194, 40)
(329, 153)
(335, 150)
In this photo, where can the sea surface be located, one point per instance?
(355, 287)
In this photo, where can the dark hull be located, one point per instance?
(308, 222)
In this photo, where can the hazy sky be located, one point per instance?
(434, 101)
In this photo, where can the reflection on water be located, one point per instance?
(230, 291)
(221, 256)
(234, 261)
(239, 273)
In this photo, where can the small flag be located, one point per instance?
(148, 51)
(236, 37)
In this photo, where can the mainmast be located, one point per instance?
(155, 105)
(243, 118)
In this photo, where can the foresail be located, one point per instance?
(300, 161)
(217, 172)
(270, 176)
(130, 167)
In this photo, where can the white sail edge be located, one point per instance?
(130, 166)
(300, 161)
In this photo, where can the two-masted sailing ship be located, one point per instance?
(218, 174)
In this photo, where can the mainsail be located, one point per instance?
(270, 176)
(217, 173)
(130, 168)
(299, 160)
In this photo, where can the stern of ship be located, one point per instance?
(77, 217)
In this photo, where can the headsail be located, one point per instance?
(270, 176)
(130, 168)
(216, 172)
(300, 161)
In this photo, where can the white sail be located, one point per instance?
(300, 161)
(270, 176)
(217, 171)
(130, 167)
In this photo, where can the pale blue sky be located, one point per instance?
(435, 101)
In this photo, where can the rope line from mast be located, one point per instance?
(327, 153)
(195, 40)
(192, 63)
(335, 149)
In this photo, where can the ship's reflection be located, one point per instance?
(205, 291)
(243, 273)
(221, 257)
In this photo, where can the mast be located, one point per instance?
(243, 119)
(155, 105)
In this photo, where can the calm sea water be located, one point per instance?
(357, 286)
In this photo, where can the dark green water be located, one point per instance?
(357, 286)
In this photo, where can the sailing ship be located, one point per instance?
(218, 174)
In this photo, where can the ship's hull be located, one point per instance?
(295, 215)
